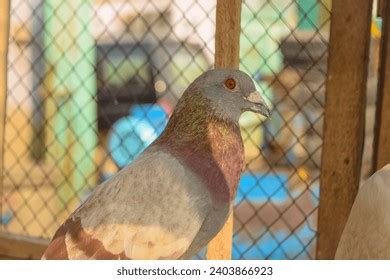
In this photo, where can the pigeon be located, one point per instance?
(367, 232)
(177, 195)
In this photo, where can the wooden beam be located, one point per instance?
(345, 104)
(227, 55)
(4, 31)
(11, 246)
(379, 7)
(381, 154)
(19, 247)
(227, 34)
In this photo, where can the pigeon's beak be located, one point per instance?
(258, 104)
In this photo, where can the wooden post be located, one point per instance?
(345, 105)
(227, 55)
(4, 31)
(379, 8)
(21, 247)
(381, 155)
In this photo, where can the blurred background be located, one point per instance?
(92, 83)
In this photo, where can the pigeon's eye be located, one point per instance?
(230, 83)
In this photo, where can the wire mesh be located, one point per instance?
(92, 83)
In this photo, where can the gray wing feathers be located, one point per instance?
(152, 209)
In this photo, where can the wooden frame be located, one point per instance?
(344, 120)
(19, 247)
(381, 154)
(11, 245)
(4, 33)
(227, 55)
(379, 7)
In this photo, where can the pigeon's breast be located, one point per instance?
(215, 156)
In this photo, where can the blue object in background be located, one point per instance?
(280, 245)
(258, 188)
(277, 246)
(6, 217)
(130, 135)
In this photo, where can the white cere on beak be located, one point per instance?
(255, 97)
(259, 104)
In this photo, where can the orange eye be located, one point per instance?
(230, 83)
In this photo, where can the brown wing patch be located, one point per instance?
(57, 247)
(82, 243)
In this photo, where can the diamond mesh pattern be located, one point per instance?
(91, 83)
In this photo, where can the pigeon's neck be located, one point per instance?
(211, 147)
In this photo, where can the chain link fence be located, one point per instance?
(92, 83)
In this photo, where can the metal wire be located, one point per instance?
(90, 84)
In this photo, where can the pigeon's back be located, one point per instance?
(153, 209)
(367, 232)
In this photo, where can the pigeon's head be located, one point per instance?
(230, 93)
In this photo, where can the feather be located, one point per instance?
(367, 232)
